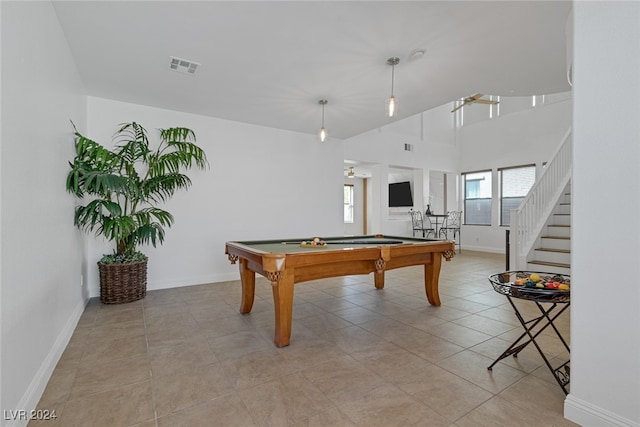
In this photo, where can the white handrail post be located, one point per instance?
(514, 239)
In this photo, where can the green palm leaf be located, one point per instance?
(128, 181)
(161, 188)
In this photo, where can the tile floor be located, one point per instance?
(358, 357)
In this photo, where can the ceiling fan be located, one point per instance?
(350, 171)
(477, 98)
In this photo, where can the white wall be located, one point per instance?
(605, 301)
(522, 137)
(41, 294)
(263, 183)
(434, 147)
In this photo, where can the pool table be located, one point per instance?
(286, 263)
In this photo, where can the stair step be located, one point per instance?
(550, 267)
(564, 251)
(559, 230)
(553, 264)
(561, 219)
(552, 255)
(551, 242)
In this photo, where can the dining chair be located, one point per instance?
(417, 223)
(452, 224)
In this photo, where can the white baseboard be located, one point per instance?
(482, 249)
(32, 395)
(587, 415)
(155, 285)
(191, 281)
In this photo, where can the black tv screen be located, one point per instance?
(400, 194)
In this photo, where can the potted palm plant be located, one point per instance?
(120, 190)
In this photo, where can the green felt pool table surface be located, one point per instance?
(289, 246)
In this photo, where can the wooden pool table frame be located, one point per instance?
(284, 270)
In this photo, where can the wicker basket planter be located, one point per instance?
(122, 283)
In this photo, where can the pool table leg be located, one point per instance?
(283, 303)
(431, 275)
(378, 274)
(248, 279)
(378, 279)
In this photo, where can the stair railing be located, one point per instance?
(528, 220)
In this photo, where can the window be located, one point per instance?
(477, 198)
(348, 203)
(515, 183)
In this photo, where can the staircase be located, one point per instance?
(541, 226)
(552, 254)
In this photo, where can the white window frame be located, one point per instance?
(348, 203)
(505, 216)
(467, 210)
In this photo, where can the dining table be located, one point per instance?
(437, 220)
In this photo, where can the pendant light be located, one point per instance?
(323, 132)
(392, 103)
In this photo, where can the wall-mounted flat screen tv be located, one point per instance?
(400, 194)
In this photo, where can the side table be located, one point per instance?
(557, 302)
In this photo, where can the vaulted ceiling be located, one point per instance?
(269, 63)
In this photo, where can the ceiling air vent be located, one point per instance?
(183, 66)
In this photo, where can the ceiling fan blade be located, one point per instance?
(486, 101)
(458, 107)
(477, 98)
